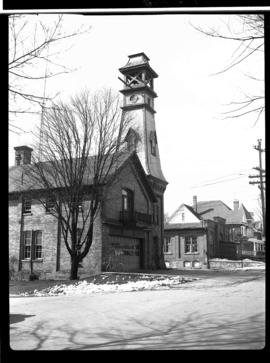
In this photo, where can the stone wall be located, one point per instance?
(46, 267)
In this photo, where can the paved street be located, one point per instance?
(219, 311)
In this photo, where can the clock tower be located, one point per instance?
(138, 103)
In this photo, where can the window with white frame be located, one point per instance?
(37, 245)
(191, 245)
(27, 242)
(167, 244)
(27, 245)
(27, 202)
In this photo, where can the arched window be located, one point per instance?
(153, 142)
(132, 139)
(127, 200)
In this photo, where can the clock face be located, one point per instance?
(134, 98)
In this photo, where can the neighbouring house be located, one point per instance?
(228, 247)
(242, 229)
(243, 236)
(210, 229)
(128, 232)
(239, 222)
(190, 241)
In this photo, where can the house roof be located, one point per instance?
(192, 211)
(217, 208)
(247, 213)
(238, 216)
(212, 208)
(20, 181)
(173, 226)
(189, 208)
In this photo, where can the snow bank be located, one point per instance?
(245, 264)
(85, 288)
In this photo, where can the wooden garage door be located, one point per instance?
(126, 253)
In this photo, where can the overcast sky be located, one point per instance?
(201, 153)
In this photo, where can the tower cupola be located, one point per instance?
(138, 82)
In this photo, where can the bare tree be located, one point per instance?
(34, 43)
(249, 36)
(83, 146)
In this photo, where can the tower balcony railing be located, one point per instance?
(133, 217)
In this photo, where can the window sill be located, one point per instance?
(28, 260)
(27, 213)
(168, 253)
(192, 253)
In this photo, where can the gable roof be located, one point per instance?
(247, 213)
(19, 180)
(238, 216)
(188, 207)
(212, 208)
(192, 211)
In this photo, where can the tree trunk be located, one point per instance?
(161, 262)
(74, 268)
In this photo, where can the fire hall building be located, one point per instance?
(128, 231)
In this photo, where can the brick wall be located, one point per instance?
(186, 260)
(113, 197)
(111, 210)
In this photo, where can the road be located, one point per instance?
(219, 311)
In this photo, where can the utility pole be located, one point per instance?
(260, 180)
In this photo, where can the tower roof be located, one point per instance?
(22, 148)
(142, 54)
(138, 60)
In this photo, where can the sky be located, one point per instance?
(202, 152)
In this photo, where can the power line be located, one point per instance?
(225, 176)
(19, 128)
(218, 182)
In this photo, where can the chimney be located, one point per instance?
(22, 155)
(195, 203)
(236, 204)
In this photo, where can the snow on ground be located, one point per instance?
(85, 288)
(164, 282)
